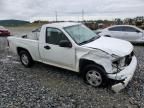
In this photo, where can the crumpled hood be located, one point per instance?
(112, 46)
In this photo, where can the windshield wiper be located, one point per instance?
(90, 40)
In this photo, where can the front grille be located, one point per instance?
(128, 58)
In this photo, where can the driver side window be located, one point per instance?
(54, 36)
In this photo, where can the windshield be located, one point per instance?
(81, 34)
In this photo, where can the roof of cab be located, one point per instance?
(61, 24)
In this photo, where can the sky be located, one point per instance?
(70, 9)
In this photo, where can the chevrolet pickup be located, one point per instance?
(75, 47)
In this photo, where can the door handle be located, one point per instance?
(47, 47)
(107, 35)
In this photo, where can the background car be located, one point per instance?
(125, 32)
(4, 31)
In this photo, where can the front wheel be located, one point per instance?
(94, 76)
(26, 59)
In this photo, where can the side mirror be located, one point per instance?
(65, 43)
(98, 32)
(138, 31)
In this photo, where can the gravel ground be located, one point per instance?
(44, 86)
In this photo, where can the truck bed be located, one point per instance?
(32, 36)
(26, 42)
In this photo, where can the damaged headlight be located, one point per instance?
(117, 63)
(115, 58)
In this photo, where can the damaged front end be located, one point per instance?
(123, 70)
(120, 70)
(119, 63)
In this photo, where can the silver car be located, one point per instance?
(125, 32)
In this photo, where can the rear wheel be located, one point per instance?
(94, 76)
(26, 59)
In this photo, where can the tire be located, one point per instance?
(94, 76)
(26, 59)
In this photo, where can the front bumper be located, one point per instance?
(125, 75)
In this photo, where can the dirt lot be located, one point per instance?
(44, 86)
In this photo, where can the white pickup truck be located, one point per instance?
(74, 47)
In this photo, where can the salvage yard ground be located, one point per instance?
(44, 86)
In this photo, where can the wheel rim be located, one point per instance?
(24, 59)
(94, 78)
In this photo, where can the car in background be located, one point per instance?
(4, 31)
(125, 32)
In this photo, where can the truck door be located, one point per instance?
(52, 53)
